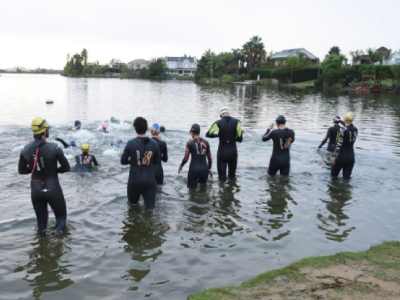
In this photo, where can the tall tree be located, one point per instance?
(84, 55)
(254, 52)
(334, 50)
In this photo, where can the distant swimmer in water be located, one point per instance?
(143, 155)
(229, 132)
(282, 138)
(155, 134)
(162, 129)
(344, 154)
(115, 120)
(104, 127)
(44, 161)
(86, 161)
(201, 160)
(332, 135)
(77, 125)
(65, 144)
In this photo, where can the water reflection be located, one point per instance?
(143, 234)
(274, 213)
(334, 221)
(47, 269)
(213, 212)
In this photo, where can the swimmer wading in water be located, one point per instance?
(44, 161)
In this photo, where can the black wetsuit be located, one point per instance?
(344, 153)
(85, 162)
(280, 159)
(41, 159)
(229, 132)
(201, 162)
(143, 155)
(164, 158)
(332, 135)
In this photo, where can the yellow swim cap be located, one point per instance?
(39, 126)
(85, 147)
(348, 117)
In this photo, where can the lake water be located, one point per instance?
(195, 240)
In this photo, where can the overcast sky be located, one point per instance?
(41, 33)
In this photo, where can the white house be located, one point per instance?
(181, 66)
(138, 64)
(281, 57)
(394, 59)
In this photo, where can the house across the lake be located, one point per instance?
(138, 64)
(394, 59)
(281, 57)
(181, 66)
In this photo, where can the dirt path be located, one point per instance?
(370, 275)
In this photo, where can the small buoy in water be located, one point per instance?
(49, 101)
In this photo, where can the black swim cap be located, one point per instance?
(280, 120)
(162, 129)
(195, 129)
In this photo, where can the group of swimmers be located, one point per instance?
(44, 160)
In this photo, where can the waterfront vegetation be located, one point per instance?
(251, 62)
(334, 72)
(78, 66)
(373, 274)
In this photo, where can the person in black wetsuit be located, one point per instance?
(201, 162)
(230, 132)
(86, 162)
(282, 138)
(155, 134)
(143, 155)
(332, 135)
(344, 153)
(42, 159)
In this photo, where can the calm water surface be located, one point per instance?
(213, 237)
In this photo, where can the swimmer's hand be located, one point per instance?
(271, 126)
(210, 173)
(180, 170)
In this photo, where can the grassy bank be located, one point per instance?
(373, 274)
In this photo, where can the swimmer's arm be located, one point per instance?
(239, 133)
(209, 157)
(185, 158)
(164, 153)
(23, 166)
(157, 156)
(126, 158)
(64, 164)
(324, 140)
(213, 132)
(268, 135)
(95, 161)
(293, 137)
(64, 143)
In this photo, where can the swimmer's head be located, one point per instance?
(140, 125)
(280, 120)
(336, 120)
(155, 129)
(40, 127)
(162, 129)
(77, 124)
(348, 118)
(85, 148)
(224, 112)
(195, 129)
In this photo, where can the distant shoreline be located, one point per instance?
(55, 72)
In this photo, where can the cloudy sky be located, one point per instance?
(42, 32)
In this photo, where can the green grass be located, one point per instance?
(385, 256)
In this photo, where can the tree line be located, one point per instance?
(77, 65)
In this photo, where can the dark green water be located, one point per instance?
(222, 235)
